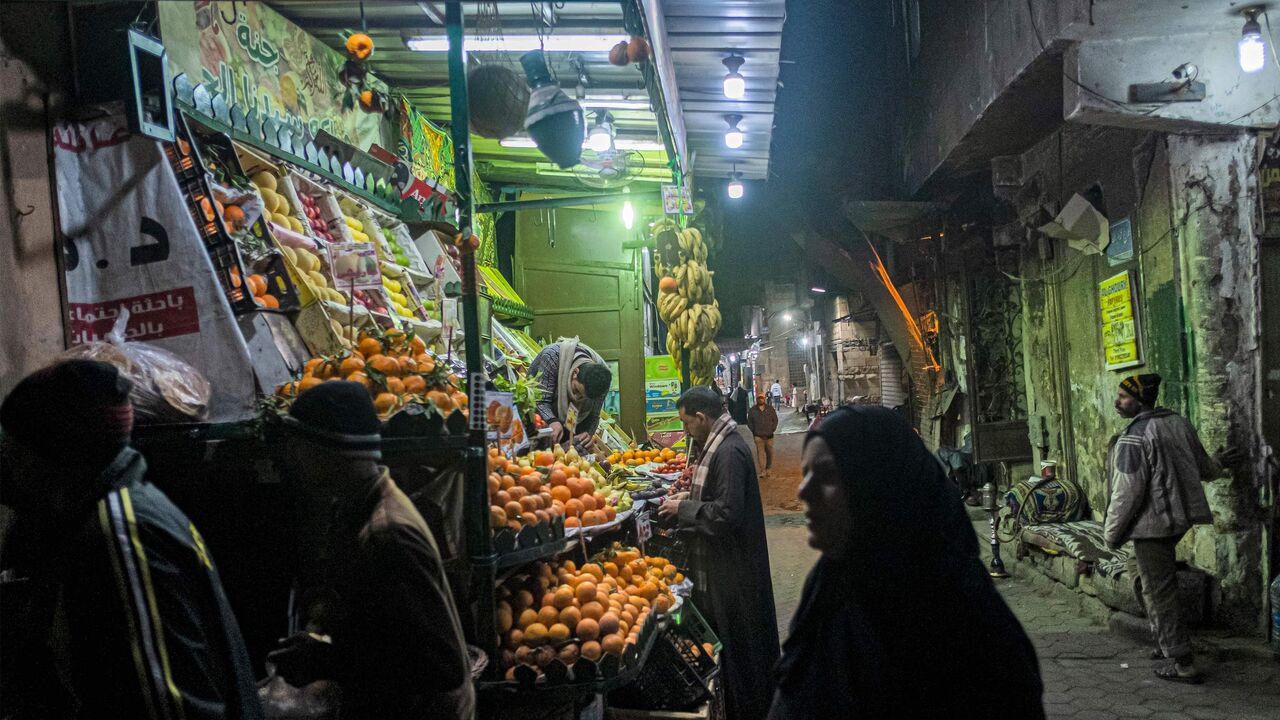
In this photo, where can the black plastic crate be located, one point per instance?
(679, 673)
(667, 543)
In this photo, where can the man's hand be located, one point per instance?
(302, 659)
(1228, 457)
(671, 506)
(557, 430)
(583, 439)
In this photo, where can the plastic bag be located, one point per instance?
(165, 388)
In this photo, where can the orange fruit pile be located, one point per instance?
(643, 457)
(562, 491)
(395, 367)
(566, 613)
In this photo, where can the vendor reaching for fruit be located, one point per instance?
(575, 380)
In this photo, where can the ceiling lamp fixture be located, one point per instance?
(519, 141)
(601, 137)
(735, 86)
(733, 136)
(555, 122)
(520, 43)
(1252, 48)
(817, 289)
(735, 183)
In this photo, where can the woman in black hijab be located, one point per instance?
(898, 618)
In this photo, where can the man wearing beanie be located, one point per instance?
(1155, 469)
(372, 579)
(122, 613)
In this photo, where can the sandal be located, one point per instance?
(1172, 673)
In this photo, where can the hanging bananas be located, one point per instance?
(687, 301)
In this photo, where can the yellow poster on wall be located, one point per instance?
(1120, 341)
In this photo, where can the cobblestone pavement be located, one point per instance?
(1089, 673)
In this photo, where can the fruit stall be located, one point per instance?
(331, 231)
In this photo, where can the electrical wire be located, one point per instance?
(1120, 105)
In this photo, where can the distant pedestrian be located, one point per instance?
(775, 393)
(122, 614)
(1155, 471)
(763, 423)
(899, 618)
(739, 401)
(723, 520)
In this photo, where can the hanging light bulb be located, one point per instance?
(735, 183)
(1252, 48)
(628, 212)
(601, 137)
(735, 86)
(733, 136)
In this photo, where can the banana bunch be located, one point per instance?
(671, 305)
(687, 301)
(691, 245)
(693, 280)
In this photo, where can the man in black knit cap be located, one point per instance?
(1155, 471)
(122, 613)
(373, 580)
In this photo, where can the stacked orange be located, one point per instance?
(561, 612)
(518, 498)
(394, 366)
(635, 457)
(569, 494)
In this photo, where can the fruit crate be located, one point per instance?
(679, 673)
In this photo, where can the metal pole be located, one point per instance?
(476, 490)
(559, 202)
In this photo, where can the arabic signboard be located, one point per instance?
(1119, 322)
(262, 61)
(136, 250)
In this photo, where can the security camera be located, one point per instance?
(1186, 71)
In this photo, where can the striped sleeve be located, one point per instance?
(1129, 477)
(138, 601)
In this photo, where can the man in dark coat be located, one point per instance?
(762, 419)
(122, 613)
(723, 521)
(739, 401)
(374, 581)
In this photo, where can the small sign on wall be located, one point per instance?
(1120, 329)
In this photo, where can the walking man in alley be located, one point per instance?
(722, 519)
(372, 578)
(120, 612)
(762, 420)
(1155, 468)
(775, 393)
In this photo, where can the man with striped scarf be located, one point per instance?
(722, 520)
(113, 607)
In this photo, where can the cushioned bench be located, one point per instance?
(1075, 554)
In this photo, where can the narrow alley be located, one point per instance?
(1094, 665)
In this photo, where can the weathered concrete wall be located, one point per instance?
(32, 69)
(1216, 189)
(1190, 200)
(969, 53)
(1109, 65)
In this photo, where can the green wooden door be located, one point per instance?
(571, 269)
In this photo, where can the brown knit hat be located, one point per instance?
(1143, 387)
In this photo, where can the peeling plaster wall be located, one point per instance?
(1216, 187)
(1191, 202)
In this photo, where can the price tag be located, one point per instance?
(643, 529)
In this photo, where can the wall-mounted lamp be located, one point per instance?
(1252, 48)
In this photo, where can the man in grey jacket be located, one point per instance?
(1155, 469)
